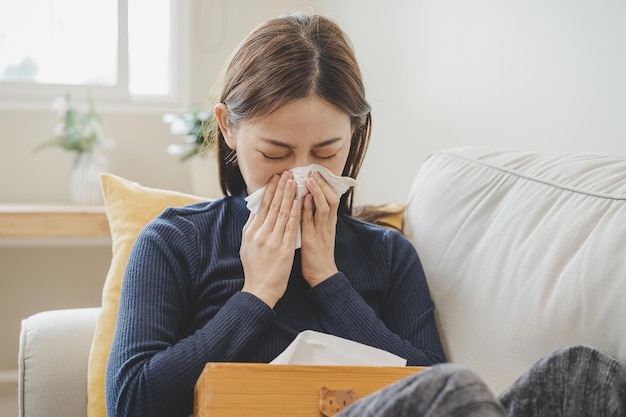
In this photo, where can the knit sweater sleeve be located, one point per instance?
(405, 324)
(155, 360)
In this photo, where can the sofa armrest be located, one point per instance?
(53, 356)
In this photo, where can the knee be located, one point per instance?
(439, 379)
(460, 391)
(580, 352)
(453, 371)
(445, 389)
(574, 366)
(453, 377)
(583, 357)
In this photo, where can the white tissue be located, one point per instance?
(300, 174)
(315, 348)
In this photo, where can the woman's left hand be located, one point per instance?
(319, 225)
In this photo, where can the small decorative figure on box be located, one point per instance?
(333, 401)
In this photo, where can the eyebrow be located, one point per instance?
(286, 145)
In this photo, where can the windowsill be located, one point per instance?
(103, 107)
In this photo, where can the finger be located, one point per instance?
(307, 212)
(268, 196)
(292, 224)
(329, 192)
(248, 223)
(276, 203)
(283, 216)
(244, 231)
(324, 196)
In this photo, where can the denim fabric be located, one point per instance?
(576, 381)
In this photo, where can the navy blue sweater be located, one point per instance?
(181, 305)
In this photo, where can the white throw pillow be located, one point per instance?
(524, 253)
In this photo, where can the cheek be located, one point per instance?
(257, 172)
(337, 164)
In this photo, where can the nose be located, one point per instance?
(303, 160)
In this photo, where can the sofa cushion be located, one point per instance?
(524, 253)
(53, 351)
(129, 207)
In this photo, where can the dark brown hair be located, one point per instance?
(285, 59)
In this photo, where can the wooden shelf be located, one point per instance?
(53, 221)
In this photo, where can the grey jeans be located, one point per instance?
(576, 381)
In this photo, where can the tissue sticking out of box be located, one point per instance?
(315, 348)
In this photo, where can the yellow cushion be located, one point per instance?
(389, 215)
(129, 207)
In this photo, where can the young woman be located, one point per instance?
(213, 282)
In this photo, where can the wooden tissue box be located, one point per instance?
(263, 390)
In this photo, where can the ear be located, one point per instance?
(221, 116)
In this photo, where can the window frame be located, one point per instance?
(18, 95)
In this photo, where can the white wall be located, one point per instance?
(535, 74)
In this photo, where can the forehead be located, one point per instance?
(305, 119)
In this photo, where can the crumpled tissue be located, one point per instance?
(300, 174)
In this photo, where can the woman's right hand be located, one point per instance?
(268, 240)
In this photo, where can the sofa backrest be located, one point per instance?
(524, 252)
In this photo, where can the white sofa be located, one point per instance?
(524, 252)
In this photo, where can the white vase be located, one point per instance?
(85, 186)
(204, 175)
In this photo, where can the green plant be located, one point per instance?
(76, 132)
(192, 125)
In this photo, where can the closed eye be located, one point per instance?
(275, 157)
(325, 158)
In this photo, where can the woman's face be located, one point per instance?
(303, 132)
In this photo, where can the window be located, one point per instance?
(121, 50)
